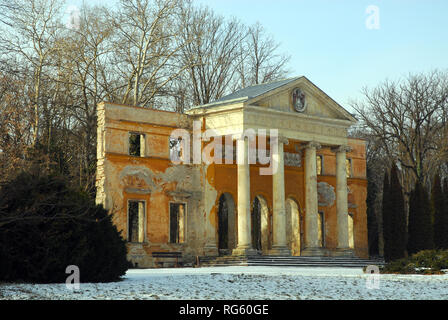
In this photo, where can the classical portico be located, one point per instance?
(290, 182)
(305, 118)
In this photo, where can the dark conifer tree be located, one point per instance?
(386, 217)
(398, 221)
(444, 240)
(372, 222)
(46, 225)
(420, 229)
(438, 213)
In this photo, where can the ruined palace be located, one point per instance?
(164, 200)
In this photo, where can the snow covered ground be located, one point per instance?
(248, 283)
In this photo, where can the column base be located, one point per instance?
(244, 251)
(343, 252)
(279, 251)
(314, 252)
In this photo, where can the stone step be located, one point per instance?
(281, 261)
(294, 261)
(298, 259)
(287, 265)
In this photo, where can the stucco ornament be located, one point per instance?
(326, 194)
(293, 159)
(298, 100)
(137, 180)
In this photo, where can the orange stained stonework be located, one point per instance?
(155, 180)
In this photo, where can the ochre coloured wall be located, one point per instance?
(154, 179)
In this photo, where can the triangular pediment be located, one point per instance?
(317, 102)
(277, 96)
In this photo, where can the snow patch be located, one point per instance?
(240, 282)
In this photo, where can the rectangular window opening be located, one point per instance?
(348, 167)
(136, 219)
(137, 144)
(177, 222)
(176, 149)
(319, 165)
(321, 229)
(351, 234)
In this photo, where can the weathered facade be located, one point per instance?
(313, 204)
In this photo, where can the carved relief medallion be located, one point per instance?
(326, 194)
(298, 100)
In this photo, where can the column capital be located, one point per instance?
(341, 148)
(239, 137)
(312, 144)
(283, 140)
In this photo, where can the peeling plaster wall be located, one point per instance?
(154, 179)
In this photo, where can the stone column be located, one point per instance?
(208, 203)
(279, 246)
(312, 247)
(244, 244)
(342, 201)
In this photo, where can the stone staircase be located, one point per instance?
(277, 261)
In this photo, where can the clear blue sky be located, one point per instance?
(331, 45)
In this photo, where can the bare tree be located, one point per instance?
(6, 7)
(405, 123)
(31, 36)
(146, 44)
(261, 61)
(15, 129)
(85, 69)
(212, 46)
